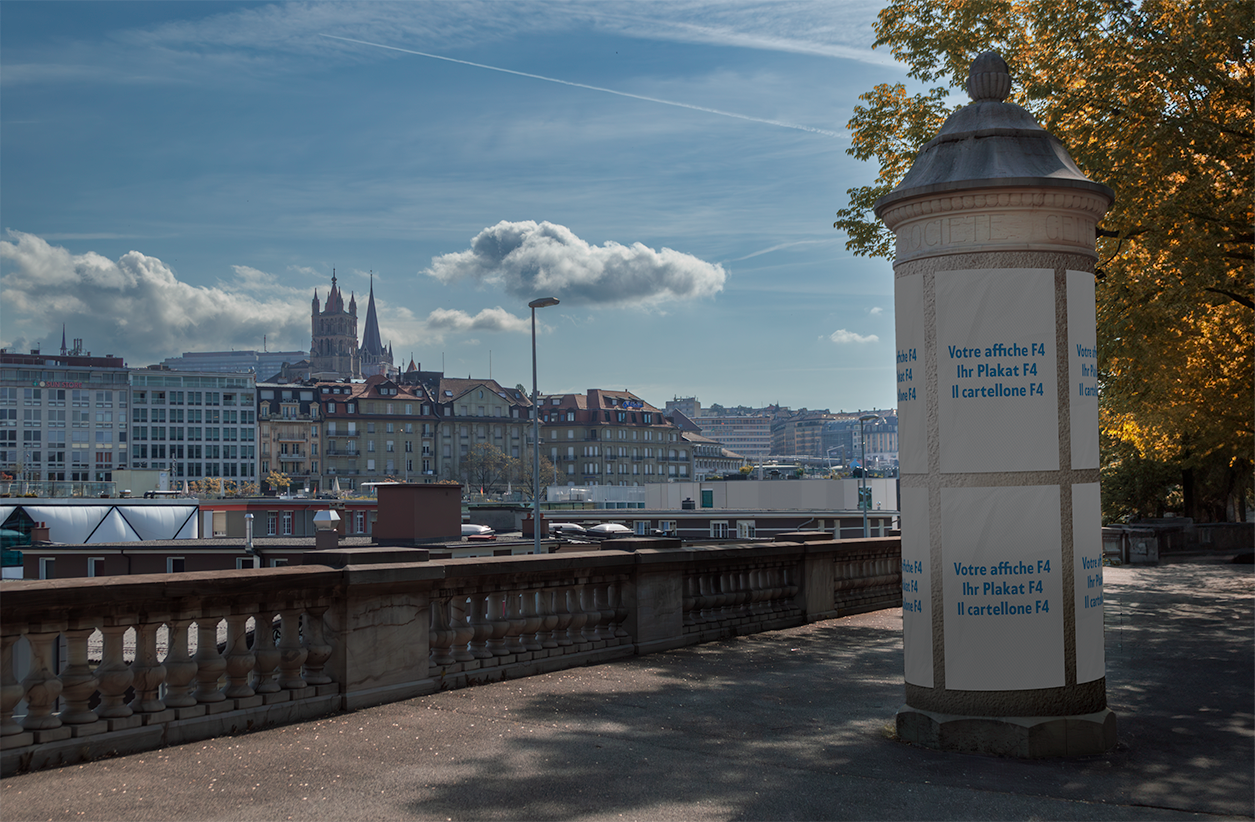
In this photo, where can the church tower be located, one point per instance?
(333, 352)
(374, 357)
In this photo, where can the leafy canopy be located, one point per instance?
(1153, 99)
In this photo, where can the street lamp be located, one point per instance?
(543, 302)
(862, 441)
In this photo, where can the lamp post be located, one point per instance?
(543, 302)
(862, 442)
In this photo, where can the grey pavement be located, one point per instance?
(793, 724)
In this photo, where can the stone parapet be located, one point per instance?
(210, 653)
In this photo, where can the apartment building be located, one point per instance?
(479, 412)
(611, 438)
(377, 430)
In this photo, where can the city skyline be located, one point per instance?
(183, 177)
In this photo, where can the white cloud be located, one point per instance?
(876, 311)
(843, 337)
(136, 307)
(490, 319)
(529, 259)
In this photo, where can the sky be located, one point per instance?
(184, 176)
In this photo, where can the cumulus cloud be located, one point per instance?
(876, 311)
(137, 307)
(527, 259)
(843, 337)
(490, 319)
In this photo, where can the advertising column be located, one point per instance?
(996, 361)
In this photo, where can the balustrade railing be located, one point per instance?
(131, 663)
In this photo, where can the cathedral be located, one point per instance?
(334, 353)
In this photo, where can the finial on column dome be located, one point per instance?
(989, 79)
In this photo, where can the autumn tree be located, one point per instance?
(278, 480)
(1154, 99)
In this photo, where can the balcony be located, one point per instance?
(339, 433)
(334, 452)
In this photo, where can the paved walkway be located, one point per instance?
(788, 725)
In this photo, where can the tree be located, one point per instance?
(484, 467)
(1155, 100)
(523, 475)
(278, 480)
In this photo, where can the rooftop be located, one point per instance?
(792, 724)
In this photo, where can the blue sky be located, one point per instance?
(183, 176)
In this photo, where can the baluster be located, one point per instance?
(531, 622)
(690, 600)
(514, 614)
(601, 601)
(291, 652)
(463, 631)
(180, 667)
(440, 634)
(790, 588)
(41, 685)
(239, 659)
(744, 594)
(575, 627)
(318, 649)
(548, 635)
(210, 664)
(266, 670)
(482, 627)
(115, 677)
(705, 599)
(148, 671)
(756, 592)
(777, 590)
(588, 604)
(78, 679)
(561, 633)
(620, 611)
(11, 691)
(500, 624)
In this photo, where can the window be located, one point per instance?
(745, 529)
(287, 523)
(275, 563)
(175, 565)
(47, 568)
(272, 520)
(719, 529)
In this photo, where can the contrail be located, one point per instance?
(780, 123)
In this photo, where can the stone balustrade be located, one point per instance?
(121, 664)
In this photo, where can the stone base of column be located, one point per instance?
(1026, 737)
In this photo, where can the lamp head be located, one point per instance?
(543, 302)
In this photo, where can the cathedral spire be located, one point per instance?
(63, 349)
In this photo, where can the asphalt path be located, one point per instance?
(793, 724)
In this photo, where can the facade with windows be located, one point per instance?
(375, 431)
(749, 435)
(289, 435)
(611, 438)
(478, 412)
(63, 418)
(711, 458)
(196, 425)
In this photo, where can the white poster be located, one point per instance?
(917, 599)
(908, 308)
(1003, 588)
(1087, 572)
(1083, 369)
(996, 374)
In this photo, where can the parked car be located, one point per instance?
(566, 529)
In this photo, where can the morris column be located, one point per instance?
(998, 436)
